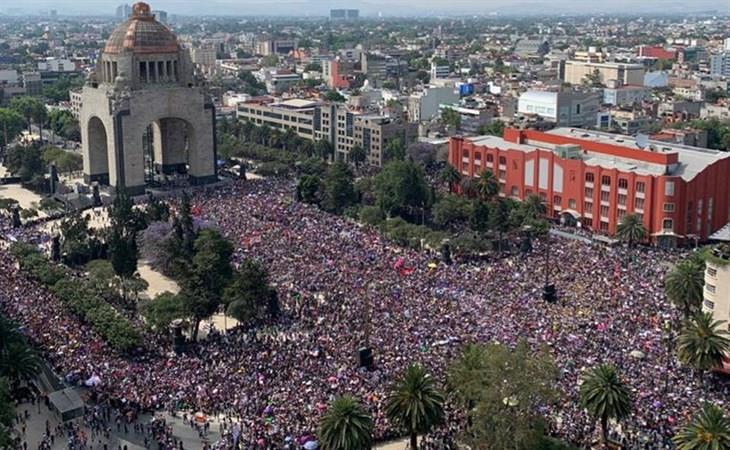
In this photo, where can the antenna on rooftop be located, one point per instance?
(642, 140)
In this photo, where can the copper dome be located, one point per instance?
(141, 34)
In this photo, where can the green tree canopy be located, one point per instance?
(415, 404)
(249, 297)
(684, 286)
(631, 229)
(11, 125)
(401, 189)
(708, 430)
(703, 342)
(339, 191)
(346, 425)
(604, 396)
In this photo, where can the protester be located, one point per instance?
(332, 274)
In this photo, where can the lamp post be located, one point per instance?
(667, 337)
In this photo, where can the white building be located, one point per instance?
(424, 105)
(572, 109)
(717, 278)
(57, 65)
(439, 71)
(9, 76)
(624, 95)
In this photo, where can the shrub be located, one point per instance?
(371, 215)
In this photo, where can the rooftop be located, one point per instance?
(684, 161)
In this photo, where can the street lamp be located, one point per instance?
(667, 338)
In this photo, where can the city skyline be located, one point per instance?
(378, 8)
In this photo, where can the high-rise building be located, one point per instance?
(440, 69)
(267, 46)
(720, 64)
(123, 11)
(344, 14)
(681, 193)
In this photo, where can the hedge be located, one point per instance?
(78, 297)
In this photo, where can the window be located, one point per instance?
(669, 188)
(639, 216)
(557, 200)
(623, 183)
(502, 174)
(604, 211)
(622, 199)
(543, 196)
(515, 191)
(587, 222)
(604, 196)
(588, 207)
(572, 204)
(502, 160)
(709, 209)
(711, 271)
(639, 203)
(528, 192)
(466, 153)
(604, 226)
(589, 178)
(589, 192)
(669, 207)
(710, 288)
(667, 224)
(490, 158)
(709, 304)
(621, 214)
(640, 186)
(606, 180)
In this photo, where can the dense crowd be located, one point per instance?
(332, 275)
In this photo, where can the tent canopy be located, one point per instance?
(67, 403)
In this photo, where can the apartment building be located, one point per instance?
(333, 122)
(627, 74)
(572, 109)
(720, 64)
(716, 292)
(681, 193)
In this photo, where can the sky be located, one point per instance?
(373, 7)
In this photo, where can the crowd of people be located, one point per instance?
(339, 284)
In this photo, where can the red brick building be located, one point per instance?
(658, 52)
(681, 192)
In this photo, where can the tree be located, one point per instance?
(502, 389)
(30, 108)
(270, 61)
(708, 430)
(249, 296)
(309, 187)
(605, 397)
(123, 252)
(494, 128)
(469, 187)
(18, 361)
(334, 96)
(401, 189)
(346, 425)
(11, 124)
(451, 211)
(703, 342)
(357, 155)
(683, 286)
(451, 118)
(160, 312)
(450, 176)
(338, 192)
(415, 404)
(207, 277)
(76, 244)
(395, 150)
(26, 162)
(324, 149)
(488, 186)
(631, 229)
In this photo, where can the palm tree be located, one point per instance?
(450, 176)
(346, 425)
(469, 187)
(488, 186)
(18, 361)
(415, 404)
(631, 229)
(709, 430)
(703, 342)
(605, 396)
(683, 286)
(534, 207)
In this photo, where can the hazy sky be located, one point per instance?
(387, 7)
